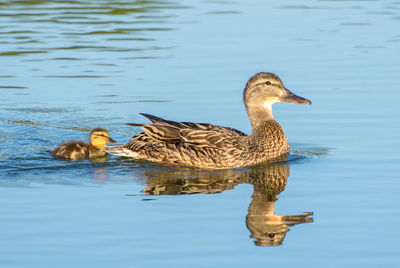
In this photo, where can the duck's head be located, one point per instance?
(99, 137)
(264, 89)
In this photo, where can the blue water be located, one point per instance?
(70, 66)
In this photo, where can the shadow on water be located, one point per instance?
(265, 226)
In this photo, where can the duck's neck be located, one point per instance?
(259, 115)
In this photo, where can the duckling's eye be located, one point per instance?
(268, 83)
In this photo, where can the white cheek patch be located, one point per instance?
(269, 102)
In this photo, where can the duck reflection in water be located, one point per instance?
(266, 227)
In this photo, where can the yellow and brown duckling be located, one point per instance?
(215, 147)
(76, 150)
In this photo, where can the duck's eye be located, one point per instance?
(268, 83)
(271, 235)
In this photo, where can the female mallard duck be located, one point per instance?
(76, 150)
(215, 147)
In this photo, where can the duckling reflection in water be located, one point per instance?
(268, 228)
(77, 150)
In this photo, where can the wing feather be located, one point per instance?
(162, 132)
(198, 134)
(194, 126)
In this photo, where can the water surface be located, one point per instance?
(70, 66)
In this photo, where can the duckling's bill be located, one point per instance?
(289, 96)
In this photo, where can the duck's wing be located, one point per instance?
(208, 138)
(162, 132)
(189, 125)
(198, 134)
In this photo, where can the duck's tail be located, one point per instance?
(120, 150)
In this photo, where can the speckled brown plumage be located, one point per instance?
(215, 147)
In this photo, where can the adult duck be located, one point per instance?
(214, 147)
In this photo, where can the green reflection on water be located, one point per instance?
(41, 14)
(12, 87)
(28, 3)
(18, 53)
(24, 122)
(40, 110)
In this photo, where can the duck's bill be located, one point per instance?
(289, 96)
(111, 140)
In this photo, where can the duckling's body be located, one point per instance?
(76, 150)
(215, 147)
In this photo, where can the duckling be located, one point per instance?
(77, 150)
(215, 147)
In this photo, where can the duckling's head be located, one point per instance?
(99, 137)
(264, 89)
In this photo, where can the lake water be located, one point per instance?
(70, 66)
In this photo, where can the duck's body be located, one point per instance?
(215, 147)
(76, 150)
(204, 145)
